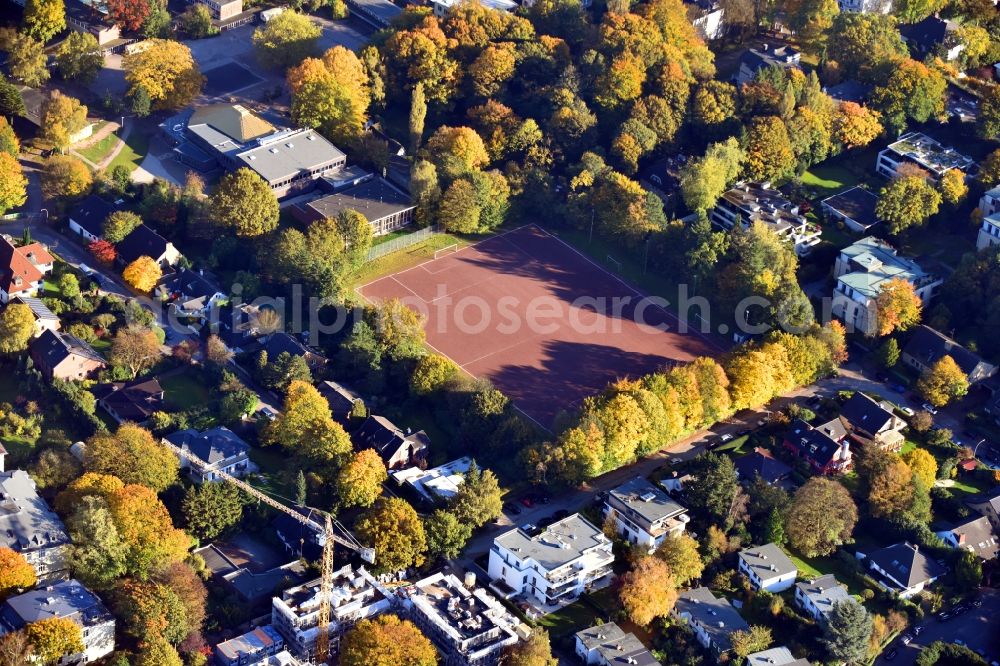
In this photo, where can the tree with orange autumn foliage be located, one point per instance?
(648, 591)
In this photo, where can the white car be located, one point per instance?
(928, 407)
(676, 461)
(907, 410)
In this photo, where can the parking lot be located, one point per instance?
(978, 628)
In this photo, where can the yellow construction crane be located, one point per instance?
(330, 536)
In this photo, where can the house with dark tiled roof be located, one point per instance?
(870, 422)
(133, 401)
(63, 356)
(975, 534)
(341, 399)
(190, 293)
(903, 569)
(281, 342)
(22, 269)
(760, 462)
(220, 448)
(144, 242)
(987, 504)
(927, 346)
(397, 448)
(764, 56)
(931, 35)
(825, 449)
(87, 217)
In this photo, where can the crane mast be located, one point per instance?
(330, 537)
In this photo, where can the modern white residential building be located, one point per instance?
(748, 203)
(707, 16)
(469, 627)
(437, 484)
(29, 527)
(711, 619)
(441, 7)
(554, 566)
(866, 6)
(67, 599)
(356, 595)
(989, 203)
(989, 232)
(925, 152)
(817, 597)
(776, 656)
(768, 568)
(644, 514)
(862, 269)
(609, 645)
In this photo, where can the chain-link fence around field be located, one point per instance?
(401, 242)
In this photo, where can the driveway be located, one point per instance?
(978, 628)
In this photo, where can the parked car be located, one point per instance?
(929, 408)
(676, 461)
(944, 615)
(976, 603)
(725, 438)
(907, 410)
(905, 639)
(527, 501)
(917, 631)
(890, 655)
(510, 507)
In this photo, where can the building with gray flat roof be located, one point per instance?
(644, 514)
(67, 599)
(776, 656)
(29, 527)
(609, 645)
(554, 566)
(378, 13)
(818, 596)
(768, 568)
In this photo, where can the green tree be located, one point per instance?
(11, 102)
(244, 202)
(822, 516)
(426, 190)
(714, 487)
(196, 22)
(306, 428)
(211, 508)
(446, 534)
(988, 123)
(26, 60)
(943, 382)
(301, 491)
(17, 327)
(704, 180)
(418, 113)
(396, 532)
(968, 570)
(865, 43)
(746, 642)
(774, 529)
(44, 19)
(431, 374)
(359, 482)
(846, 632)
(914, 91)
(479, 499)
(98, 556)
(286, 39)
(459, 210)
(119, 225)
(907, 201)
(888, 353)
(132, 455)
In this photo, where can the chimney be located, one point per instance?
(961, 535)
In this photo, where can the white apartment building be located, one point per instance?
(711, 619)
(554, 566)
(989, 232)
(817, 597)
(862, 269)
(925, 152)
(759, 202)
(355, 596)
(468, 627)
(989, 203)
(644, 514)
(865, 6)
(29, 527)
(767, 568)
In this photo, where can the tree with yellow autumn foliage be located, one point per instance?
(142, 274)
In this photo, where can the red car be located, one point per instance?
(526, 501)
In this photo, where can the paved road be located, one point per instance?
(979, 629)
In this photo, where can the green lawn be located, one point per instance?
(406, 258)
(908, 446)
(968, 486)
(814, 567)
(98, 151)
(735, 447)
(132, 153)
(569, 620)
(184, 391)
(828, 178)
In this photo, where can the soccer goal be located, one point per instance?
(447, 249)
(614, 263)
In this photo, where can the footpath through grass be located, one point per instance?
(98, 151)
(132, 153)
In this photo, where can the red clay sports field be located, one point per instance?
(587, 327)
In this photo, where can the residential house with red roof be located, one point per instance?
(22, 269)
